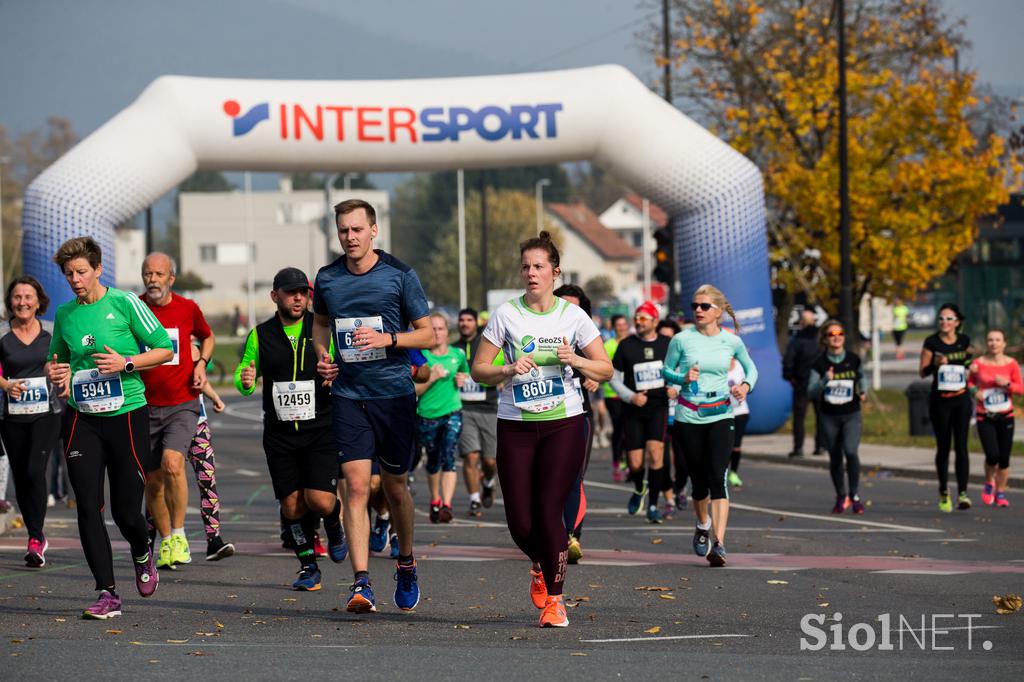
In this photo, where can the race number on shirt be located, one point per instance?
(647, 375)
(34, 399)
(472, 392)
(839, 392)
(294, 400)
(539, 390)
(344, 332)
(95, 392)
(173, 333)
(952, 378)
(996, 400)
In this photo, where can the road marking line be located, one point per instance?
(835, 519)
(225, 645)
(247, 472)
(239, 414)
(910, 571)
(658, 639)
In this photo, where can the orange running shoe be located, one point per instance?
(553, 615)
(538, 590)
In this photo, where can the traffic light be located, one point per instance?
(664, 256)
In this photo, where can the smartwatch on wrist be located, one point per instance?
(394, 340)
(129, 366)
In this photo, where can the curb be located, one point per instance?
(821, 462)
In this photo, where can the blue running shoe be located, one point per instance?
(636, 501)
(337, 546)
(394, 546)
(717, 556)
(362, 599)
(701, 542)
(380, 534)
(407, 590)
(308, 580)
(653, 515)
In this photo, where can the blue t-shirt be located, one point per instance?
(390, 290)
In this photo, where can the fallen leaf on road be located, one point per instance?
(665, 596)
(61, 620)
(578, 653)
(152, 660)
(17, 523)
(289, 599)
(653, 631)
(135, 643)
(656, 541)
(652, 588)
(114, 632)
(823, 604)
(685, 580)
(778, 582)
(206, 634)
(176, 641)
(219, 625)
(581, 598)
(460, 626)
(516, 638)
(198, 653)
(1008, 603)
(17, 641)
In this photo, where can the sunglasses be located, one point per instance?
(703, 306)
(837, 332)
(947, 319)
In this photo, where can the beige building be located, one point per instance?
(591, 249)
(287, 229)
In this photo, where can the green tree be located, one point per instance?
(316, 181)
(599, 289)
(190, 281)
(206, 181)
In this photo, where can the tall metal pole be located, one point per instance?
(250, 256)
(149, 229)
(666, 53)
(463, 289)
(539, 191)
(3, 279)
(645, 247)
(846, 312)
(328, 227)
(483, 240)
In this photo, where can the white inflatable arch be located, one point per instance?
(601, 114)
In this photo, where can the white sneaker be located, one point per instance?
(51, 501)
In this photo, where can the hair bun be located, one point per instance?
(545, 235)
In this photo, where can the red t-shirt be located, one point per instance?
(992, 397)
(171, 382)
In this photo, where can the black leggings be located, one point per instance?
(538, 465)
(740, 426)
(28, 445)
(678, 462)
(119, 446)
(615, 410)
(576, 506)
(996, 436)
(707, 448)
(951, 419)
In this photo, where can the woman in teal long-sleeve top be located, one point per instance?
(699, 360)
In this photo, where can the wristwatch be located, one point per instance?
(394, 340)
(129, 365)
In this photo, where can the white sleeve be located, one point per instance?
(496, 328)
(586, 330)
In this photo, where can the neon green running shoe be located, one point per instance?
(945, 502)
(963, 501)
(179, 550)
(163, 559)
(734, 479)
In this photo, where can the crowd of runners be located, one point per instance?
(359, 379)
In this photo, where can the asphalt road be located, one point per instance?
(643, 604)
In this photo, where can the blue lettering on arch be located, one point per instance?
(533, 121)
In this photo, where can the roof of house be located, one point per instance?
(579, 218)
(658, 215)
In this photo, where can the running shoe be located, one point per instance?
(636, 501)
(180, 553)
(407, 589)
(553, 615)
(337, 547)
(538, 590)
(734, 479)
(474, 509)
(818, 452)
(163, 559)
(5, 506)
(653, 515)
(668, 511)
(796, 454)
(394, 546)
(308, 580)
(842, 504)
(618, 475)
(362, 599)
(146, 576)
(107, 606)
(945, 504)
(988, 495)
(1001, 500)
(380, 534)
(435, 511)
(963, 501)
(701, 542)
(487, 496)
(858, 506)
(717, 555)
(318, 546)
(575, 550)
(445, 515)
(35, 557)
(681, 500)
(217, 549)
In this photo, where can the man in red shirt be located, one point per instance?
(172, 392)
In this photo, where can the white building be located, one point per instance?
(625, 218)
(590, 249)
(287, 229)
(129, 250)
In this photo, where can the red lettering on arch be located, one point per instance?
(363, 123)
(317, 127)
(339, 113)
(284, 121)
(394, 123)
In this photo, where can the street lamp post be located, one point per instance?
(3, 162)
(539, 187)
(348, 180)
(845, 264)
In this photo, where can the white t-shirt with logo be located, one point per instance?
(518, 331)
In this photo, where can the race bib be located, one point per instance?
(540, 390)
(294, 401)
(839, 392)
(95, 392)
(344, 332)
(472, 392)
(952, 378)
(35, 397)
(173, 333)
(996, 400)
(647, 375)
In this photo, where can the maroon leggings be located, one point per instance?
(538, 465)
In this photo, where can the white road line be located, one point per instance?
(244, 645)
(246, 472)
(241, 414)
(657, 639)
(910, 571)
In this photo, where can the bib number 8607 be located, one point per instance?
(537, 389)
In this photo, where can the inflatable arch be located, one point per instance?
(600, 114)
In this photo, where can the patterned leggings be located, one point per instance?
(200, 454)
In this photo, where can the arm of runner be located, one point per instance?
(749, 368)
(201, 330)
(815, 385)
(484, 371)
(1016, 383)
(146, 329)
(618, 384)
(674, 370)
(250, 359)
(325, 365)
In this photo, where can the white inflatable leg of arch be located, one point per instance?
(602, 114)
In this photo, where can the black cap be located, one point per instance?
(290, 279)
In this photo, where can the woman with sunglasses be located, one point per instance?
(699, 360)
(838, 378)
(945, 357)
(994, 379)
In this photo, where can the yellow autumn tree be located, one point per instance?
(764, 75)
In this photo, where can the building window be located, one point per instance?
(232, 253)
(207, 253)
(638, 238)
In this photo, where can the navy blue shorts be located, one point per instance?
(382, 430)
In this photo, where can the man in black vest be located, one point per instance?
(297, 427)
